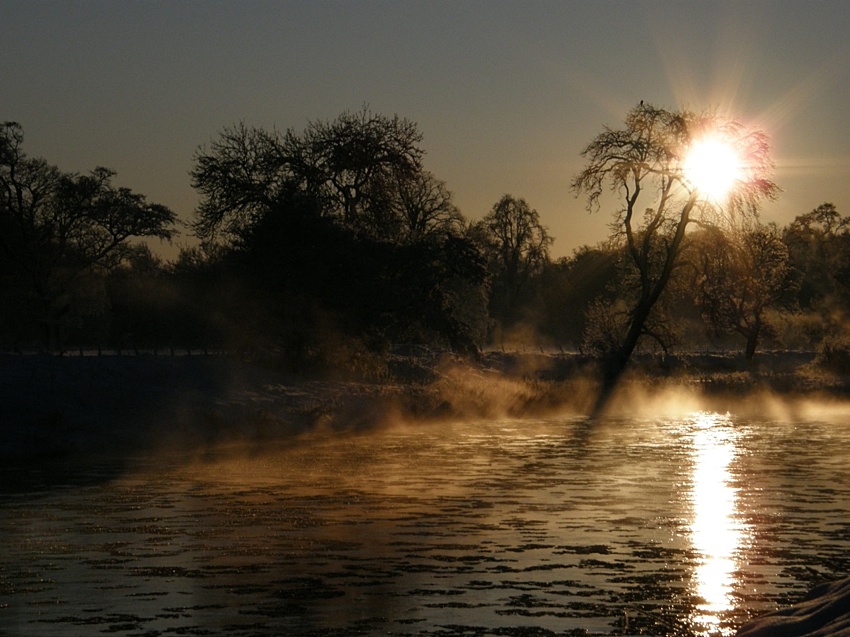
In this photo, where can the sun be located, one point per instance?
(713, 167)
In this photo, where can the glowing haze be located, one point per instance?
(505, 93)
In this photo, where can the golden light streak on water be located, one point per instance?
(716, 533)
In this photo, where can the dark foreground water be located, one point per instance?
(681, 526)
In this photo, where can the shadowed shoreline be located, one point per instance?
(55, 406)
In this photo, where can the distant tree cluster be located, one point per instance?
(340, 230)
(322, 248)
(517, 246)
(59, 233)
(363, 170)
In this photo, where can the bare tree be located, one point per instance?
(58, 228)
(740, 279)
(242, 175)
(341, 220)
(425, 208)
(819, 245)
(355, 168)
(518, 247)
(643, 165)
(355, 162)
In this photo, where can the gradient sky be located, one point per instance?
(506, 93)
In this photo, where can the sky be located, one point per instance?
(505, 93)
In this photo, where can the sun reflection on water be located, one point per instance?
(716, 532)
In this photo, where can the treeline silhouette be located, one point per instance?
(323, 249)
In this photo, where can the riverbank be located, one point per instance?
(59, 405)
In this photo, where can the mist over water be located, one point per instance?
(677, 524)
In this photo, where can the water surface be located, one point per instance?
(680, 526)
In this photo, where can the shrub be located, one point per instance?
(834, 353)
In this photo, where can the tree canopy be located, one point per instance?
(362, 169)
(819, 246)
(518, 248)
(337, 235)
(643, 165)
(56, 227)
(740, 278)
(343, 221)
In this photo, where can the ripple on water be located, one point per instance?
(531, 528)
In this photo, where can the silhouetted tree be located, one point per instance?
(164, 306)
(240, 177)
(643, 164)
(425, 208)
(819, 249)
(567, 288)
(340, 226)
(740, 279)
(360, 168)
(609, 314)
(433, 289)
(356, 163)
(57, 230)
(518, 249)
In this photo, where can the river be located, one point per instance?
(668, 526)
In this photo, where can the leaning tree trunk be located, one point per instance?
(615, 365)
(752, 342)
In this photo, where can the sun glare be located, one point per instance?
(713, 167)
(716, 533)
